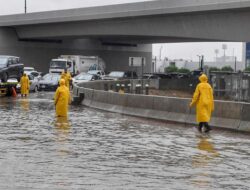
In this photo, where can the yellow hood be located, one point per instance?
(203, 78)
(62, 82)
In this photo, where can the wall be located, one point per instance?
(229, 115)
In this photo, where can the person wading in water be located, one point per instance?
(204, 101)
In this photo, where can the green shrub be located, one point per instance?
(183, 70)
(227, 68)
(171, 69)
(247, 69)
(214, 69)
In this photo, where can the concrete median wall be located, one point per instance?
(229, 115)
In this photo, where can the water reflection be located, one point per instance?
(62, 127)
(25, 104)
(203, 160)
(62, 124)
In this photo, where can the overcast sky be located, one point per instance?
(172, 51)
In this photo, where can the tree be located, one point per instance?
(227, 68)
(214, 69)
(183, 70)
(171, 69)
(247, 69)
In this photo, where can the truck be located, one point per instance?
(76, 64)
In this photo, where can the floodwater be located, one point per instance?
(101, 150)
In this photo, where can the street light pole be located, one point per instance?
(199, 61)
(25, 6)
(202, 62)
(235, 64)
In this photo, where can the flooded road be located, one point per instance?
(99, 150)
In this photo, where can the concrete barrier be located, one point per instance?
(227, 114)
(245, 119)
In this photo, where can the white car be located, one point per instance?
(34, 73)
(85, 77)
(97, 72)
(28, 69)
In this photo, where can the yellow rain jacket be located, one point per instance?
(62, 99)
(64, 76)
(204, 100)
(25, 85)
(69, 78)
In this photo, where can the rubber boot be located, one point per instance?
(200, 127)
(208, 128)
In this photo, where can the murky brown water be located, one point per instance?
(98, 150)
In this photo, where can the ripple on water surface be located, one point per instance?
(99, 150)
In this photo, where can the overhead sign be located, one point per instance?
(137, 61)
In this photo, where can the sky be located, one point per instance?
(172, 51)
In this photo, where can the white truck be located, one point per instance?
(76, 64)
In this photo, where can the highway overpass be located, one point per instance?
(129, 27)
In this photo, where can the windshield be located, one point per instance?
(3, 60)
(50, 77)
(58, 64)
(116, 74)
(83, 77)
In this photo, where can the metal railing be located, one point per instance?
(231, 86)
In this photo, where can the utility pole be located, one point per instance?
(202, 62)
(235, 64)
(25, 6)
(199, 61)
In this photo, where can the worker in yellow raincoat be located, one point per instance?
(64, 75)
(69, 78)
(25, 85)
(204, 100)
(62, 99)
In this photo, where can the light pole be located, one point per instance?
(25, 6)
(235, 64)
(216, 51)
(199, 61)
(224, 47)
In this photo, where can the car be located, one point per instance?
(85, 77)
(119, 75)
(156, 76)
(34, 73)
(97, 72)
(10, 67)
(34, 84)
(28, 69)
(150, 76)
(49, 82)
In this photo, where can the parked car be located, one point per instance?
(28, 69)
(150, 76)
(34, 84)
(156, 76)
(119, 75)
(49, 82)
(97, 72)
(34, 73)
(85, 77)
(10, 67)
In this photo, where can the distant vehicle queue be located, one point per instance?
(74, 69)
